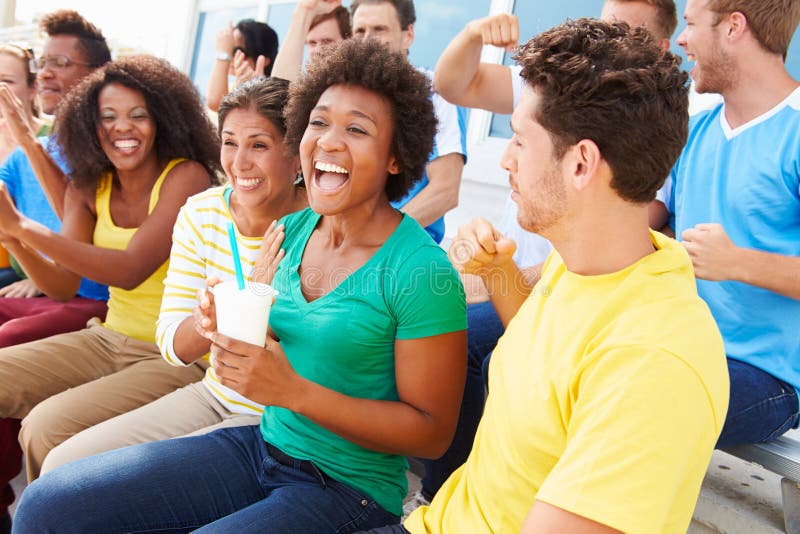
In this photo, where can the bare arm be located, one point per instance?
(430, 376)
(148, 248)
(715, 257)
(218, 82)
(545, 518)
(479, 249)
(52, 279)
(50, 176)
(462, 79)
(289, 61)
(441, 193)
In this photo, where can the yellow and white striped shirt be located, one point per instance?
(200, 249)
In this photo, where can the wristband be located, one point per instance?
(223, 56)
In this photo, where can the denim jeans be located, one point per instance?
(483, 330)
(761, 407)
(224, 481)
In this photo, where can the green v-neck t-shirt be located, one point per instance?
(345, 340)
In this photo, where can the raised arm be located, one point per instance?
(479, 249)
(148, 248)
(52, 279)
(462, 79)
(218, 81)
(50, 176)
(289, 60)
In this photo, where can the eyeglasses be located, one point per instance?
(57, 62)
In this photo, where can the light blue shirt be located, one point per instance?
(748, 180)
(31, 201)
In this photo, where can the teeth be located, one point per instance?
(249, 182)
(329, 167)
(129, 143)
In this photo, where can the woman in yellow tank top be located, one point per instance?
(138, 143)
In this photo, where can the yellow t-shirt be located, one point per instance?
(606, 397)
(133, 312)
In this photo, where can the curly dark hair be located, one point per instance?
(371, 65)
(613, 85)
(90, 38)
(182, 128)
(259, 40)
(266, 96)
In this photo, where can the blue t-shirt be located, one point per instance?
(747, 180)
(451, 137)
(345, 341)
(31, 201)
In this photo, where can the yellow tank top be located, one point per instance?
(133, 312)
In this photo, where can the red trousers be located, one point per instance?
(28, 319)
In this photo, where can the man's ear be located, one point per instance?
(408, 37)
(737, 23)
(583, 162)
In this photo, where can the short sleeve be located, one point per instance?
(429, 298)
(451, 130)
(664, 195)
(517, 83)
(639, 438)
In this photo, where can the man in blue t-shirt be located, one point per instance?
(735, 204)
(392, 22)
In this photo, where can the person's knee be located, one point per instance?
(44, 507)
(40, 431)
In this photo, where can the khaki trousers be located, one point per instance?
(191, 410)
(67, 383)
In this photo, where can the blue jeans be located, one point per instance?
(761, 407)
(483, 330)
(8, 276)
(225, 481)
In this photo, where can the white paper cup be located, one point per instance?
(243, 314)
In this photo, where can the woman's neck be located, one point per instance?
(141, 178)
(366, 225)
(254, 221)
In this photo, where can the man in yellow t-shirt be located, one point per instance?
(609, 388)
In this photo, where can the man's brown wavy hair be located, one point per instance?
(370, 65)
(773, 22)
(612, 85)
(183, 129)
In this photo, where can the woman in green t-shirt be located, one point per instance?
(365, 361)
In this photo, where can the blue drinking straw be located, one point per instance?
(237, 263)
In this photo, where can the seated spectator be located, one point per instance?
(138, 144)
(18, 84)
(464, 80)
(74, 48)
(245, 51)
(608, 389)
(315, 23)
(392, 23)
(261, 189)
(368, 367)
(736, 204)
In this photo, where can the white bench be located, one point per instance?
(782, 457)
